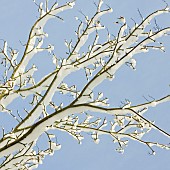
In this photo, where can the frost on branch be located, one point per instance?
(48, 110)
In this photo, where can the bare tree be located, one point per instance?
(100, 61)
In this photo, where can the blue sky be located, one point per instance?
(150, 78)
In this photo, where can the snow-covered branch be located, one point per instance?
(101, 61)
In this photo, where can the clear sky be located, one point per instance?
(150, 78)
